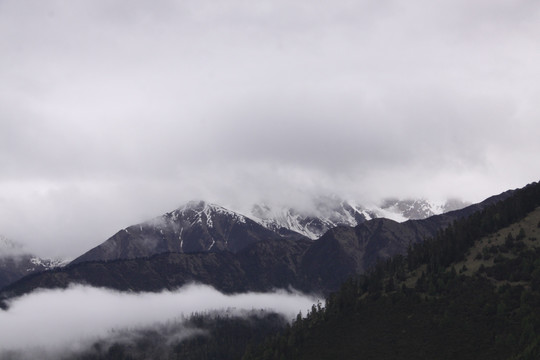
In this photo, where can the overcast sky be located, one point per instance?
(113, 112)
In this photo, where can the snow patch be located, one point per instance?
(48, 264)
(323, 218)
(181, 240)
(389, 214)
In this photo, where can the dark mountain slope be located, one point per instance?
(262, 266)
(473, 292)
(13, 268)
(16, 263)
(344, 251)
(196, 227)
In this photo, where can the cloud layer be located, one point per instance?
(115, 113)
(53, 321)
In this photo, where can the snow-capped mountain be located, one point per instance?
(199, 226)
(415, 209)
(330, 212)
(16, 263)
(195, 227)
(311, 224)
(310, 266)
(41, 264)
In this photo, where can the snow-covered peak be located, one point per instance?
(48, 264)
(330, 211)
(278, 218)
(419, 208)
(313, 223)
(203, 212)
(193, 205)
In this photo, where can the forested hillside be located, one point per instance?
(472, 292)
(203, 336)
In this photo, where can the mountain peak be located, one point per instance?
(201, 226)
(312, 224)
(202, 211)
(196, 205)
(197, 226)
(16, 262)
(415, 209)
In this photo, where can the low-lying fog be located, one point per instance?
(48, 322)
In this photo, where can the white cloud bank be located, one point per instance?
(56, 321)
(114, 113)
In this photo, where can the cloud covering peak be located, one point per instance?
(115, 112)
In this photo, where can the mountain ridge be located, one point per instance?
(330, 211)
(16, 263)
(472, 292)
(197, 226)
(161, 234)
(202, 226)
(307, 265)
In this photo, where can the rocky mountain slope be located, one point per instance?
(196, 227)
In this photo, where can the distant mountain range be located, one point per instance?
(209, 244)
(199, 226)
(16, 263)
(329, 212)
(416, 209)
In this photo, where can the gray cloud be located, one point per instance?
(114, 113)
(57, 321)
